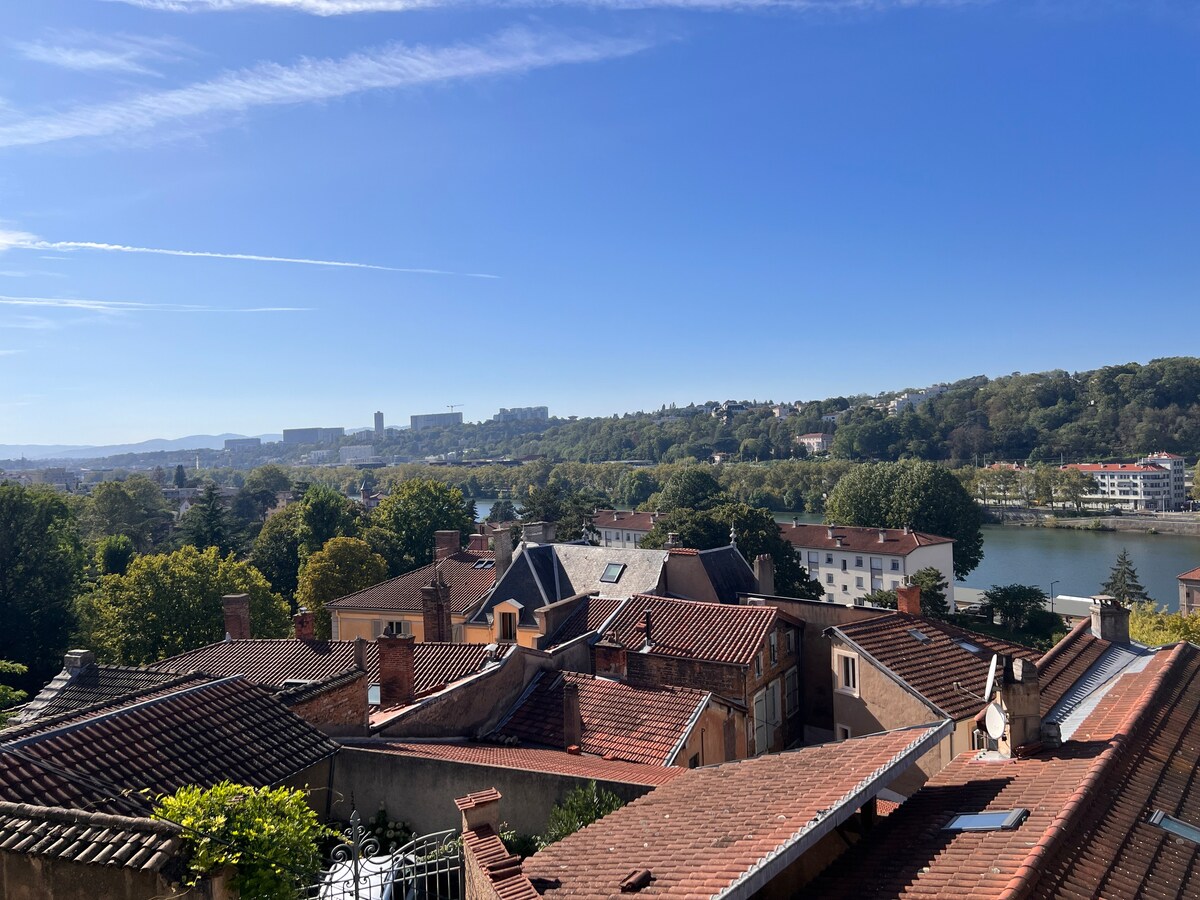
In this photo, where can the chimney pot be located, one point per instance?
(908, 599)
(237, 616)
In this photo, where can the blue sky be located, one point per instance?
(598, 206)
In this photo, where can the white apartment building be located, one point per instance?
(816, 442)
(1154, 482)
(622, 528)
(852, 562)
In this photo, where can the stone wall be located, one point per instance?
(340, 711)
(27, 877)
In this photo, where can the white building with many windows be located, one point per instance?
(1154, 482)
(852, 562)
(623, 528)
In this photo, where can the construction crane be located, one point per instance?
(453, 406)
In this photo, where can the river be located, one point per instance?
(1077, 561)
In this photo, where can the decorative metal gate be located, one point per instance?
(426, 868)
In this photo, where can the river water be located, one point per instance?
(1078, 561)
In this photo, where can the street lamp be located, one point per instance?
(1052, 584)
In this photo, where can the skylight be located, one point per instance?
(1002, 820)
(1175, 826)
(612, 573)
(918, 635)
(968, 646)
(484, 564)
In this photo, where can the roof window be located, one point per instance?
(1175, 826)
(968, 646)
(1003, 820)
(612, 573)
(919, 636)
(484, 564)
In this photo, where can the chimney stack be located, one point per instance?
(764, 574)
(503, 550)
(1110, 619)
(647, 630)
(882, 536)
(829, 532)
(795, 521)
(538, 532)
(908, 599)
(435, 610)
(609, 659)
(672, 540)
(446, 544)
(1020, 697)
(237, 616)
(75, 660)
(397, 669)
(304, 623)
(840, 540)
(480, 810)
(572, 717)
(360, 654)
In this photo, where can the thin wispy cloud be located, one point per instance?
(9, 352)
(117, 307)
(22, 240)
(350, 7)
(87, 52)
(393, 66)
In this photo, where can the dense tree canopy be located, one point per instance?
(40, 568)
(415, 510)
(207, 523)
(344, 565)
(919, 495)
(134, 507)
(167, 603)
(276, 550)
(1015, 603)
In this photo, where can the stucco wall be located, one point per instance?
(26, 877)
(708, 739)
(941, 557)
(421, 792)
(686, 577)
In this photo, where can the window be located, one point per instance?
(612, 572)
(791, 683)
(829, 559)
(858, 582)
(844, 564)
(1175, 826)
(895, 565)
(774, 643)
(876, 564)
(1003, 820)
(398, 627)
(814, 559)
(968, 646)
(846, 669)
(758, 665)
(845, 588)
(842, 732)
(694, 761)
(508, 626)
(895, 584)
(628, 536)
(484, 564)
(919, 636)
(790, 640)
(829, 579)
(858, 562)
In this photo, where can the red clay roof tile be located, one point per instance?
(719, 632)
(467, 586)
(896, 542)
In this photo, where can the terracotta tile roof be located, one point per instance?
(719, 632)
(485, 849)
(528, 759)
(1066, 662)
(1190, 575)
(1114, 467)
(88, 686)
(79, 836)
(726, 830)
(200, 733)
(859, 540)
(624, 519)
(590, 614)
(1086, 834)
(932, 667)
(620, 721)
(271, 662)
(467, 586)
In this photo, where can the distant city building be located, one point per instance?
(356, 453)
(1154, 482)
(312, 435)
(522, 414)
(380, 432)
(435, 420)
(243, 443)
(910, 399)
(816, 442)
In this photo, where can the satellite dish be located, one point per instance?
(990, 687)
(995, 721)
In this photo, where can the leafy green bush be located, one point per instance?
(580, 807)
(269, 836)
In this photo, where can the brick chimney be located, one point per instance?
(503, 550)
(397, 675)
(237, 616)
(908, 599)
(764, 573)
(572, 717)
(435, 610)
(610, 660)
(446, 544)
(304, 623)
(1021, 699)
(1110, 619)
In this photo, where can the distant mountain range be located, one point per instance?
(67, 451)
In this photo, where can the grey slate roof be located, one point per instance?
(728, 571)
(541, 574)
(81, 836)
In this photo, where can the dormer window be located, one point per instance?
(612, 573)
(508, 626)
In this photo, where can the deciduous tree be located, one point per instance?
(344, 565)
(1015, 603)
(418, 508)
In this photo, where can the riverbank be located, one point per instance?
(1161, 524)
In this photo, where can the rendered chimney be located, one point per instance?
(610, 659)
(1021, 699)
(435, 610)
(572, 717)
(397, 672)
(237, 616)
(78, 659)
(882, 536)
(829, 532)
(795, 521)
(480, 810)
(672, 540)
(446, 544)
(360, 654)
(1110, 619)
(503, 550)
(764, 574)
(840, 540)
(304, 623)
(908, 599)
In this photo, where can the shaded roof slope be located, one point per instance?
(723, 831)
(90, 685)
(1066, 662)
(620, 721)
(728, 572)
(466, 573)
(200, 733)
(932, 666)
(896, 541)
(590, 614)
(1086, 834)
(80, 836)
(719, 632)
